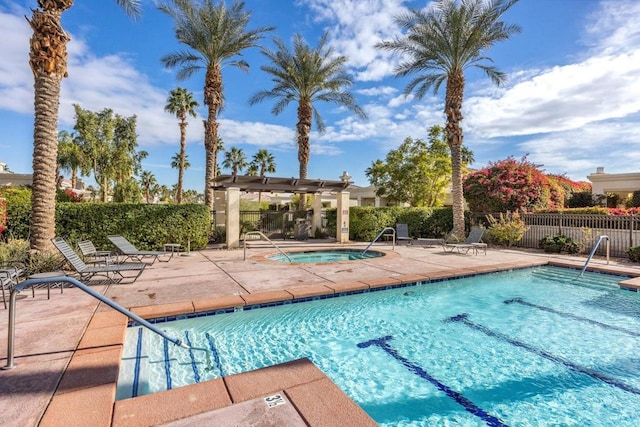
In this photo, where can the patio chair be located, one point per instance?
(472, 242)
(402, 234)
(90, 255)
(86, 273)
(127, 249)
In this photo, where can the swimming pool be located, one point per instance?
(532, 347)
(327, 255)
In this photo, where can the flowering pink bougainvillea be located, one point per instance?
(511, 185)
(3, 214)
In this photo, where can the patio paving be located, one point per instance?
(71, 338)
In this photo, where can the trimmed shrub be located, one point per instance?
(634, 253)
(558, 243)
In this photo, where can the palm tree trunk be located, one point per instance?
(213, 100)
(45, 153)
(303, 128)
(183, 147)
(453, 111)
(48, 61)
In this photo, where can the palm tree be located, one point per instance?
(215, 35)
(148, 183)
(306, 75)
(441, 44)
(175, 163)
(262, 162)
(181, 103)
(48, 61)
(70, 156)
(235, 160)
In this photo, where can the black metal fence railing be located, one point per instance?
(279, 224)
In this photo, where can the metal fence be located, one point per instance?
(623, 231)
(280, 224)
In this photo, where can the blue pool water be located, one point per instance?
(532, 347)
(333, 255)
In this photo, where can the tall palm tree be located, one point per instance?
(48, 61)
(262, 162)
(235, 160)
(215, 35)
(181, 103)
(306, 75)
(148, 183)
(440, 45)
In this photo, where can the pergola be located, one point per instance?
(279, 185)
(234, 184)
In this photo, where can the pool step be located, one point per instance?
(561, 275)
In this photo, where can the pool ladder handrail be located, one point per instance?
(393, 232)
(593, 251)
(261, 234)
(70, 280)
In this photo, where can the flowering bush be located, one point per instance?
(67, 195)
(3, 214)
(510, 185)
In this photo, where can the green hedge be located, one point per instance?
(148, 227)
(367, 222)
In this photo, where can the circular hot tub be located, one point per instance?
(325, 255)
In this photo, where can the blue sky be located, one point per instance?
(571, 102)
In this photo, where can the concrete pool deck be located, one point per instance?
(68, 347)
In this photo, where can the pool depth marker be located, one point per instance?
(464, 319)
(468, 405)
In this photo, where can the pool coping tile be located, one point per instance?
(218, 303)
(161, 310)
(322, 403)
(347, 286)
(264, 381)
(310, 291)
(266, 297)
(171, 405)
(91, 368)
(381, 282)
(412, 278)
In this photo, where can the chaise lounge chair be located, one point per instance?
(86, 273)
(473, 242)
(127, 249)
(402, 234)
(90, 255)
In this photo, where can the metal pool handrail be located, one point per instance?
(259, 233)
(380, 235)
(58, 279)
(593, 251)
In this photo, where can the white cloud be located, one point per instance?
(16, 78)
(614, 26)
(561, 98)
(356, 26)
(378, 91)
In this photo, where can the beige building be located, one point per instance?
(620, 184)
(10, 178)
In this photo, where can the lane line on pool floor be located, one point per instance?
(521, 301)
(467, 404)
(464, 319)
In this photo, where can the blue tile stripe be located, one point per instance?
(464, 319)
(136, 369)
(521, 301)
(194, 365)
(214, 351)
(468, 405)
(167, 364)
